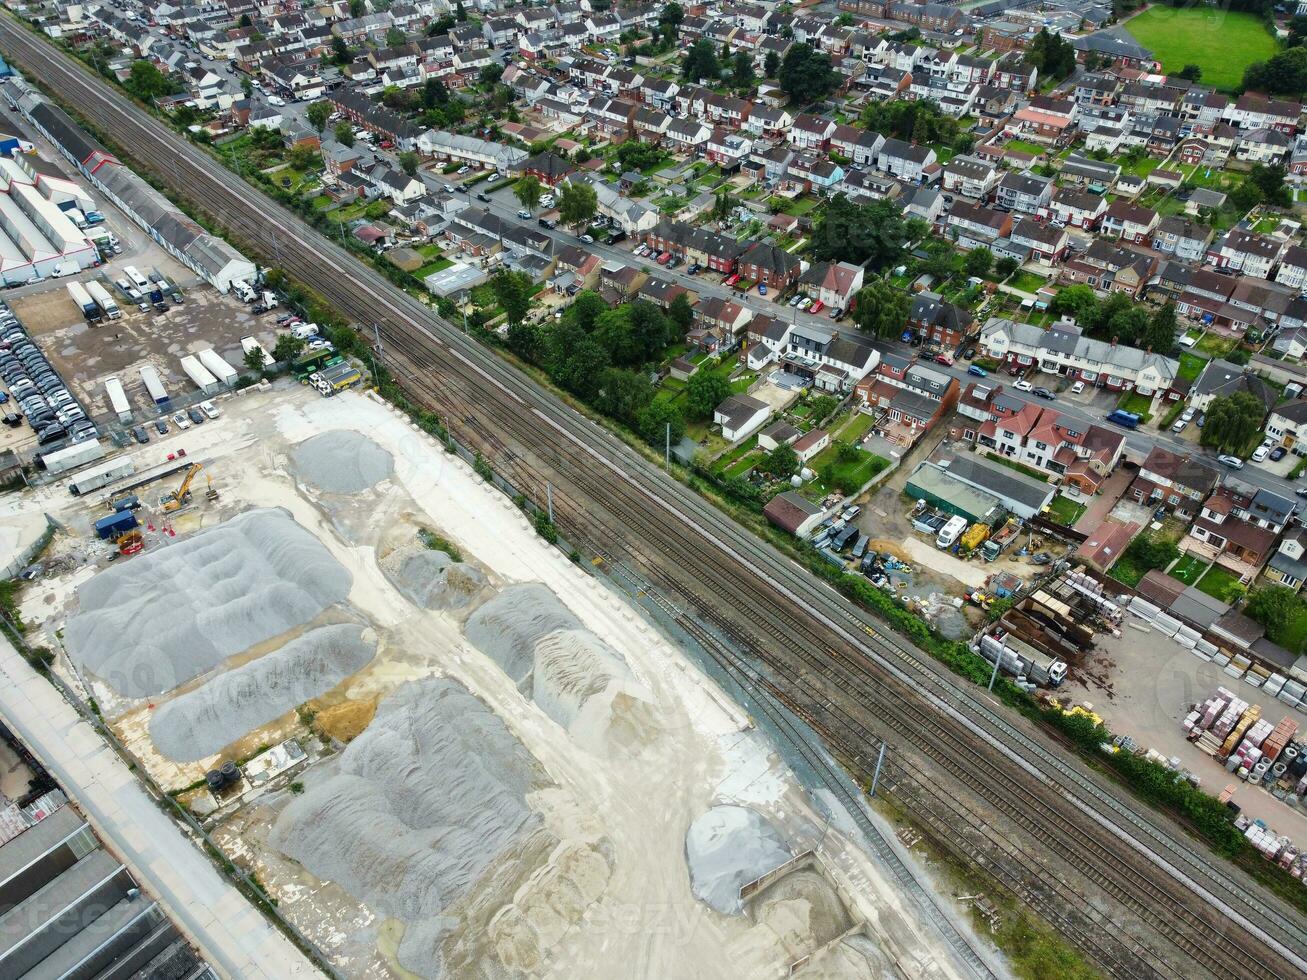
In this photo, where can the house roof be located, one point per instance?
(1107, 542)
(1001, 481)
(1186, 470)
(789, 510)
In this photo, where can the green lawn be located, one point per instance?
(1024, 146)
(1012, 464)
(1125, 570)
(1214, 345)
(1141, 405)
(1293, 636)
(1191, 365)
(1027, 282)
(1217, 583)
(1064, 510)
(436, 266)
(1188, 569)
(832, 471)
(1223, 44)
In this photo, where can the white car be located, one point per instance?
(1187, 415)
(1262, 451)
(1077, 388)
(547, 201)
(464, 170)
(210, 409)
(1234, 462)
(181, 421)
(319, 344)
(1021, 384)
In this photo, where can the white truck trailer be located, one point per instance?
(104, 300)
(118, 399)
(219, 368)
(200, 376)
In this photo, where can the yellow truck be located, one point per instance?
(974, 538)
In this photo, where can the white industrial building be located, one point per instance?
(207, 255)
(36, 237)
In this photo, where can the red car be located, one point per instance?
(663, 259)
(944, 359)
(733, 280)
(816, 307)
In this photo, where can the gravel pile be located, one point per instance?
(203, 721)
(421, 803)
(170, 614)
(432, 579)
(341, 461)
(730, 846)
(553, 660)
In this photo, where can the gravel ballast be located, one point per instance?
(341, 461)
(432, 579)
(201, 722)
(727, 847)
(147, 625)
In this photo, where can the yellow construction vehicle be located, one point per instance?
(211, 493)
(180, 497)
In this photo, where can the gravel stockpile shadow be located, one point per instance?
(432, 579)
(201, 722)
(729, 846)
(553, 660)
(421, 803)
(341, 461)
(146, 625)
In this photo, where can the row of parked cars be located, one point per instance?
(36, 389)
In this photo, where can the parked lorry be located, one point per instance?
(70, 457)
(244, 290)
(116, 524)
(1020, 659)
(90, 309)
(336, 378)
(975, 536)
(950, 532)
(999, 541)
(154, 386)
(118, 399)
(103, 300)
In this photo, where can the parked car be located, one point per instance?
(140, 435)
(161, 426)
(588, 239)
(1187, 414)
(796, 299)
(1077, 388)
(1277, 454)
(816, 307)
(1234, 462)
(1021, 384)
(969, 353)
(524, 214)
(1301, 491)
(1262, 451)
(1179, 425)
(945, 359)
(482, 196)
(181, 421)
(210, 409)
(1043, 393)
(762, 289)
(979, 372)
(195, 415)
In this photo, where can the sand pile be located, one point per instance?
(203, 721)
(568, 671)
(419, 806)
(856, 956)
(341, 461)
(225, 590)
(729, 846)
(805, 906)
(432, 579)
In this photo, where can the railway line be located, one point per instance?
(832, 665)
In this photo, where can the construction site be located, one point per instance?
(441, 747)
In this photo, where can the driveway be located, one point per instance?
(1108, 494)
(230, 933)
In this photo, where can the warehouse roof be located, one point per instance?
(1006, 484)
(935, 480)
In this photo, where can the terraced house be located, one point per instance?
(1063, 349)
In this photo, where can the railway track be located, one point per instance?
(841, 671)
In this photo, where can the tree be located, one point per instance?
(1159, 335)
(704, 392)
(771, 64)
(490, 74)
(880, 309)
(408, 162)
(302, 158)
(356, 8)
(460, 12)
(1005, 266)
(528, 192)
(586, 310)
(344, 133)
(669, 19)
(657, 421)
(340, 52)
(253, 360)
(578, 204)
(513, 293)
(873, 233)
(701, 62)
(978, 262)
(287, 348)
(1079, 302)
(742, 70)
(1276, 607)
(434, 93)
(147, 83)
(1232, 421)
(1053, 56)
(723, 204)
(245, 21)
(1191, 72)
(318, 114)
(681, 313)
(623, 394)
(574, 359)
(806, 74)
(1297, 27)
(526, 341)
(782, 462)
(394, 37)
(1283, 74)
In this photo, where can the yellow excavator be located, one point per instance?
(180, 497)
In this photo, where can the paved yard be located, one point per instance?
(1105, 499)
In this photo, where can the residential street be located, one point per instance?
(230, 933)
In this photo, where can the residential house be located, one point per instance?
(1244, 251)
(1293, 268)
(810, 132)
(832, 283)
(764, 262)
(1129, 222)
(904, 160)
(1076, 208)
(1046, 243)
(1181, 237)
(1221, 379)
(940, 325)
(1287, 425)
(830, 361)
(1288, 563)
(740, 416)
(1223, 533)
(1178, 482)
(1024, 193)
(971, 177)
(1062, 349)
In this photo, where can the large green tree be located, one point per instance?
(704, 392)
(528, 191)
(701, 62)
(1051, 54)
(147, 83)
(624, 394)
(656, 419)
(873, 233)
(513, 293)
(806, 74)
(880, 309)
(577, 204)
(318, 114)
(344, 133)
(1283, 74)
(1232, 421)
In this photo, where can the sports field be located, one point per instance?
(1222, 44)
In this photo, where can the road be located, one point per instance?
(228, 930)
(836, 665)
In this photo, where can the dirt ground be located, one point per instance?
(14, 775)
(1143, 684)
(85, 355)
(540, 909)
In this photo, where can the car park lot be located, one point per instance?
(84, 355)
